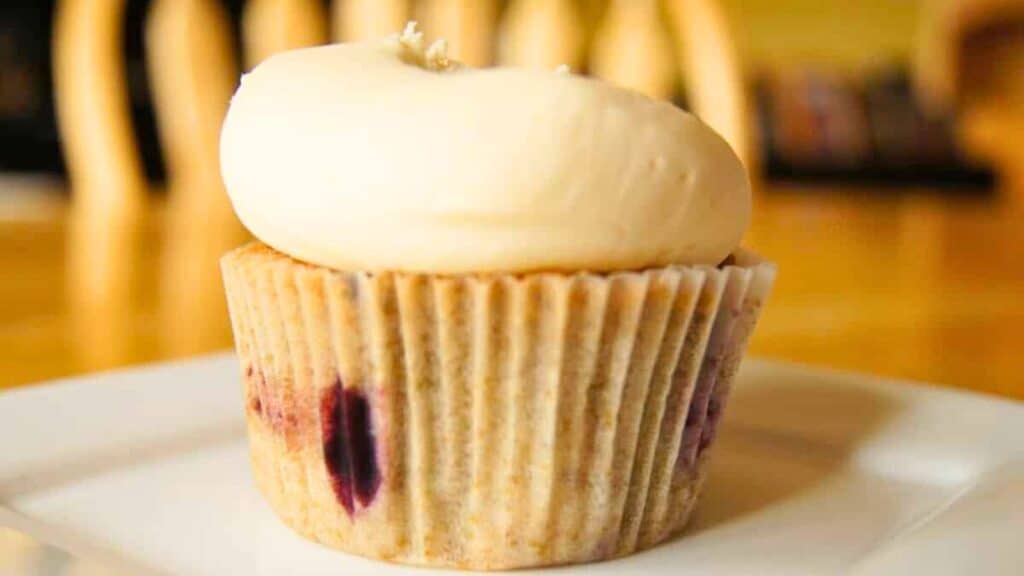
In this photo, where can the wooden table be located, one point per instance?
(917, 286)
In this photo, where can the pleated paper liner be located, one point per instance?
(486, 421)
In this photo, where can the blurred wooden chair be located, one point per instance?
(969, 63)
(543, 34)
(193, 72)
(111, 248)
(193, 75)
(270, 26)
(660, 47)
(364, 19)
(91, 95)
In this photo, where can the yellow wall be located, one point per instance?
(845, 34)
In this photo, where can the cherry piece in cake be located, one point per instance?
(350, 450)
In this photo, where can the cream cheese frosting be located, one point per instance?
(388, 155)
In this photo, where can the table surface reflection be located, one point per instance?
(914, 285)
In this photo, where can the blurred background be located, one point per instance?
(885, 140)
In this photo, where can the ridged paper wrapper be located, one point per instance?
(486, 421)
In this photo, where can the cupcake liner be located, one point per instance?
(486, 421)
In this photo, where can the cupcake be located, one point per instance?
(492, 316)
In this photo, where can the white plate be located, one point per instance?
(815, 473)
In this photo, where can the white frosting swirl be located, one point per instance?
(388, 156)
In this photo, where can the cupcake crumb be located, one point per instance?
(434, 57)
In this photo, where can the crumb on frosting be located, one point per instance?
(437, 55)
(434, 58)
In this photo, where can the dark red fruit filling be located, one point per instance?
(695, 418)
(706, 405)
(255, 389)
(255, 405)
(266, 405)
(710, 423)
(350, 450)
